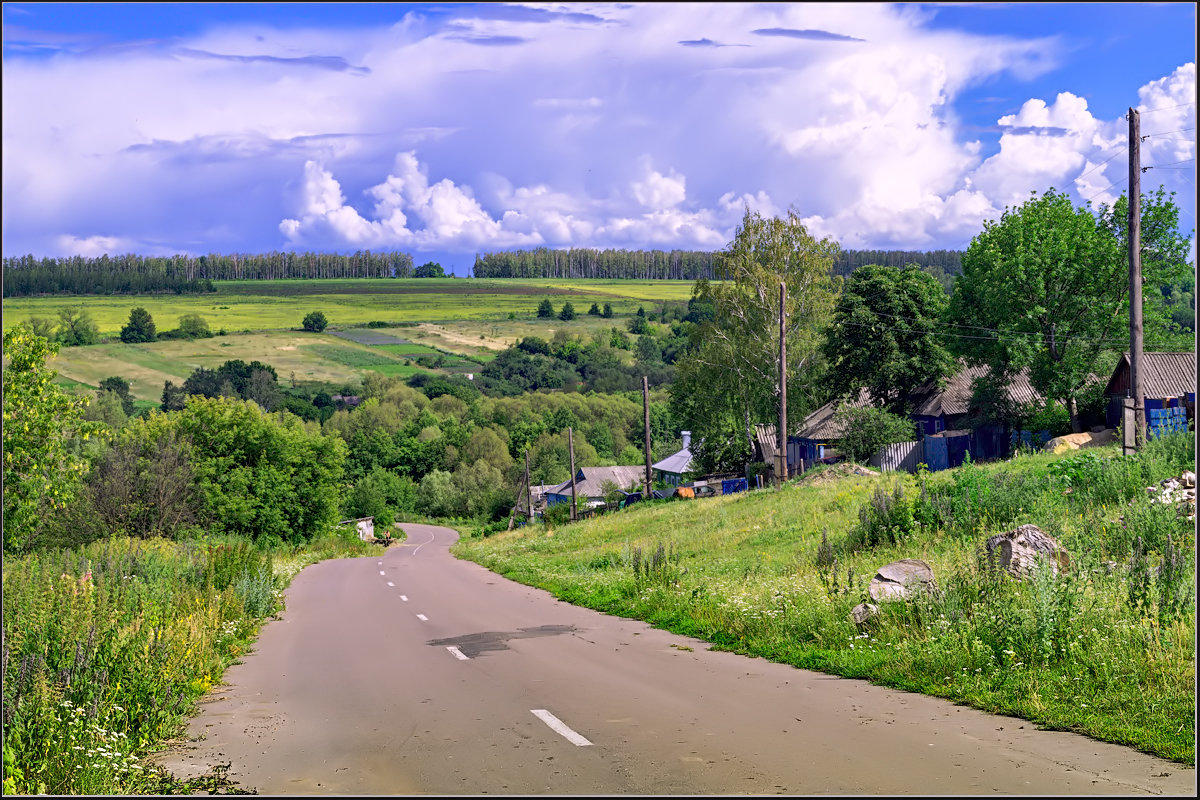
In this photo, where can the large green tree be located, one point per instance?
(1046, 287)
(885, 335)
(729, 379)
(140, 328)
(41, 469)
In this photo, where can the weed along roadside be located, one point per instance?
(1101, 641)
(108, 647)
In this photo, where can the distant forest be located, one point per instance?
(687, 265)
(131, 274)
(27, 276)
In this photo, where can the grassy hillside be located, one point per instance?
(1100, 649)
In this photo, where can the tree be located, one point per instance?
(76, 328)
(120, 387)
(885, 335)
(193, 326)
(41, 469)
(430, 269)
(315, 321)
(729, 378)
(594, 311)
(545, 309)
(140, 327)
(638, 325)
(568, 312)
(1046, 287)
(607, 312)
(869, 429)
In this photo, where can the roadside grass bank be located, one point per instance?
(108, 647)
(1104, 648)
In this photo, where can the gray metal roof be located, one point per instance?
(593, 477)
(822, 424)
(1163, 375)
(677, 463)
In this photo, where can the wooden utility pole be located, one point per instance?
(646, 413)
(528, 484)
(1135, 277)
(571, 450)
(781, 431)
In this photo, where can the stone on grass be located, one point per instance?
(1020, 550)
(899, 580)
(863, 613)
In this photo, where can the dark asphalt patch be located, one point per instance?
(473, 644)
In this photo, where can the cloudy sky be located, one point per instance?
(444, 130)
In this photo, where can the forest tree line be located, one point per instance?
(26, 276)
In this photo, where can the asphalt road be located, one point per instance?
(412, 672)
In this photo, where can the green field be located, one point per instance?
(281, 305)
(465, 320)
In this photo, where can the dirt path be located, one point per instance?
(411, 672)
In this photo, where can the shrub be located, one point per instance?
(545, 309)
(568, 312)
(869, 429)
(314, 321)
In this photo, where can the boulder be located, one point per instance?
(864, 613)
(1019, 551)
(899, 580)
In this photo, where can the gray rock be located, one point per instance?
(864, 613)
(1020, 550)
(900, 579)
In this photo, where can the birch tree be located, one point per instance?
(730, 378)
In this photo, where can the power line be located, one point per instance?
(1124, 147)
(1167, 108)
(1169, 163)
(1164, 133)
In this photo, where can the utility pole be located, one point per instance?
(646, 412)
(571, 449)
(1135, 277)
(528, 485)
(781, 431)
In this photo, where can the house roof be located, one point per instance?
(952, 399)
(955, 396)
(822, 423)
(1163, 375)
(590, 484)
(677, 463)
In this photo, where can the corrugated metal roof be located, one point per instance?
(1163, 375)
(821, 424)
(593, 478)
(929, 401)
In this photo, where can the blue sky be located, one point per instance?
(445, 130)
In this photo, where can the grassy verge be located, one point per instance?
(1105, 648)
(107, 648)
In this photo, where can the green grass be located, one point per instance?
(1080, 652)
(107, 648)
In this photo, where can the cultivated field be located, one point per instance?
(281, 305)
(466, 321)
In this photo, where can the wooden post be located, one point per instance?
(571, 450)
(528, 485)
(646, 413)
(1135, 277)
(781, 431)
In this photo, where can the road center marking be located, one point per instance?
(404, 597)
(559, 727)
(391, 584)
(422, 544)
(454, 651)
(381, 572)
(423, 618)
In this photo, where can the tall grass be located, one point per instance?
(106, 649)
(1105, 647)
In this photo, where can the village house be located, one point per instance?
(676, 469)
(590, 483)
(1168, 385)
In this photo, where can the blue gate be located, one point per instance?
(937, 455)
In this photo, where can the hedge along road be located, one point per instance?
(413, 672)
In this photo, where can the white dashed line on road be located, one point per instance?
(391, 584)
(381, 572)
(559, 727)
(423, 618)
(404, 597)
(454, 651)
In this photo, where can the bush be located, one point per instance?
(568, 312)
(867, 430)
(545, 310)
(315, 321)
(886, 518)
